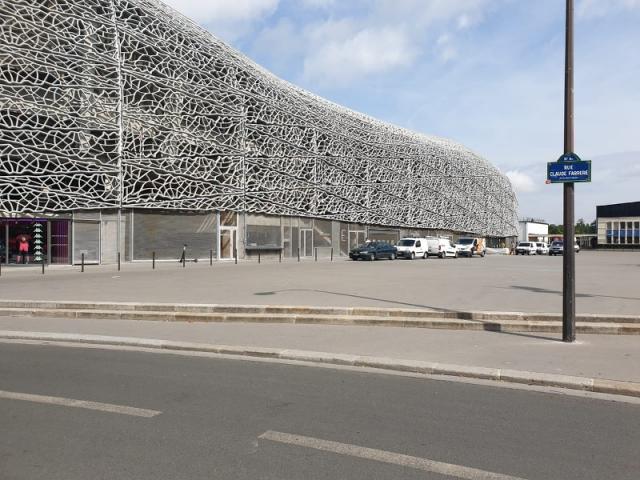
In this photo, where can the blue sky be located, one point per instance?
(486, 73)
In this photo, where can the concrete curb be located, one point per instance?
(596, 385)
(311, 310)
(487, 321)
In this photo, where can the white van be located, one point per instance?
(470, 246)
(410, 247)
(440, 247)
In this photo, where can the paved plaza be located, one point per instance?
(607, 282)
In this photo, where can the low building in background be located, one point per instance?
(618, 225)
(533, 230)
(127, 130)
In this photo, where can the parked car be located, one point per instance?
(469, 247)
(526, 248)
(557, 247)
(542, 248)
(412, 248)
(373, 251)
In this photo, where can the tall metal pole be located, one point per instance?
(569, 257)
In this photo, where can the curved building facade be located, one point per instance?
(138, 128)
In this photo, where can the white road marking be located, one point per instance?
(417, 463)
(71, 402)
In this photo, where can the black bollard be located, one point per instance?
(235, 255)
(43, 265)
(118, 261)
(298, 253)
(153, 260)
(332, 254)
(82, 263)
(316, 254)
(210, 258)
(258, 257)
(280, 257)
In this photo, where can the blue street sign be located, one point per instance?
(569, 171)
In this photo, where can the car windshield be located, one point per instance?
(524, 244)
(465, 241)
(557, 244)
(406, 242)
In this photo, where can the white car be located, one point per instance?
(441, 247)
(542, 248)
(526, 248)
(412, 248)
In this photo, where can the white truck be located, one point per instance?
(412, 248)
(470, 246)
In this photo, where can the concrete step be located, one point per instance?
(392, 313)
(502, 325)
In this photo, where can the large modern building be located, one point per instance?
(126, 128)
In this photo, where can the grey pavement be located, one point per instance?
(215, 413)
(607, 282)
(594, 356)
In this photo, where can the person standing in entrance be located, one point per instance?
(23, 247)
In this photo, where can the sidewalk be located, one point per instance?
(593, 356)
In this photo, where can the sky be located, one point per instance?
(488, 74)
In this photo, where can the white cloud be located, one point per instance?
(205, 11)
(318, 3)
(341, 57)
(601, 8)
(522, 183)
(227, 19)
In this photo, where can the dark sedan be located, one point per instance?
(373, 251)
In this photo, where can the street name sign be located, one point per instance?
(569, 168)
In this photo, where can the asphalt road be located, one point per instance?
(214, 415)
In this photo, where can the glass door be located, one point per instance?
(356, 238)
(227, 243)
(306, 242)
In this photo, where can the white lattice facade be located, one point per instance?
(125, 104)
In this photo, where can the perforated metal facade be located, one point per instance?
(126, 104)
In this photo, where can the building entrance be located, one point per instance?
(227, 245)
(356, 238)
(25, 241)
(306, 242)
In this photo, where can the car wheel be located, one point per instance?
(455, 255)
(372, 257)
(413, 255)
(392, 256)
(425, 256)
(441, 255)
(482, 255)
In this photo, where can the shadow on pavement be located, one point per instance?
(487, 326)
(559, 292)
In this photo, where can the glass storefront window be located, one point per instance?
(60, 241)
(24, 241)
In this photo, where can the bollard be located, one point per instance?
(82, 263)
(153, 260)
(258, 257)
(316, 254)
(280, 257)
(210, 258)
(332, 254)
(298, 253)
(0, 269)
(118, 261)
(235, 255)
(43, 265)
